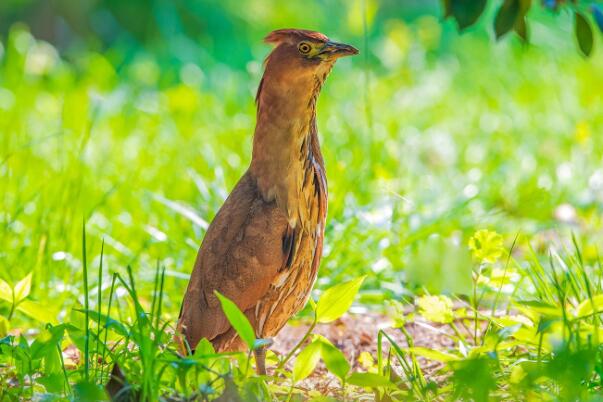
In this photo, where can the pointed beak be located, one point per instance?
(336, 50)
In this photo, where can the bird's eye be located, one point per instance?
(304, 48)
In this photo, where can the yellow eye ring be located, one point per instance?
(304, 48)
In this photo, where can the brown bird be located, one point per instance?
(263, 248)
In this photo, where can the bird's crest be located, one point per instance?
(288, 35)
(285, 35)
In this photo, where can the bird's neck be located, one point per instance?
(285, 143)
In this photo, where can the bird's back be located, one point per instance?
(239, 257)
(254, 257)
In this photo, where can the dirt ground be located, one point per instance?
(357, 333)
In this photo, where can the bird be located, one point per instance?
(263, 248)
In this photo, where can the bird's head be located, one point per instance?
(302, 56)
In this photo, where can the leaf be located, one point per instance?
(54, 383)
(334, 359)
(598, 16)
(22, 288)
(370, 380)
(237, 319)
(47, 341)
(433, 354)
(37, 311)
(539, 307)
(105, 322)
(6, 292)
(486, 246)
(204, 347)
(4, 326)
(446, 4)
(521, 29)
(586, 307)
(584, 34)
(336, 300)
(436, 308)
(306, 361)
(466, 12)
(89, 391)
(506, 17)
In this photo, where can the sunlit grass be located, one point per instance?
(479, 137)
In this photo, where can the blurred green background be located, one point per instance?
(137, 117)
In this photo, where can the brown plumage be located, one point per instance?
(263, 248)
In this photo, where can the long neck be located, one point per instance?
(285, 140)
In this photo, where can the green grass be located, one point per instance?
(462, 137)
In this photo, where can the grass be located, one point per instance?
(461, 137)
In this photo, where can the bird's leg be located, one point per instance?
(260, 357)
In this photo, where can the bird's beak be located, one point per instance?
(336, 50)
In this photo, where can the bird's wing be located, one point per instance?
(247, 244)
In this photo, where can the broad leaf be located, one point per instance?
(336, 300)
(466, 12)
(584, 34)
(22, 288)
(536, 308)
(105, 322)
(47, 341)
(4, 326)
(521, 29)
(89, 391)
(486, 246)
(433, 354)
(436, 308)
(6, 292)
(38, 312)
(237, 319)
(586, 307)
(204, 347)
(371, 380)
(334, 359)
(506, 17)
(54, 383)
(306, 361)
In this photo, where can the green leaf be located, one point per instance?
(433, 354)
(466, 12)
(506, 17)
(306, 361)
(105, 322)
(204, 347)
(487, 246)
(6, 292)
(4, 326)
(371, 380)
(521, 29)
(89, 391)
(584, 34)
(54, 383)
(531, 307)
(336, 300)
(436, 308)
(586, 307)
(38, 312)
(22, 288)
(47, 341)
(334, 359)
(237, 319)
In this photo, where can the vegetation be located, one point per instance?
(465, 213)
